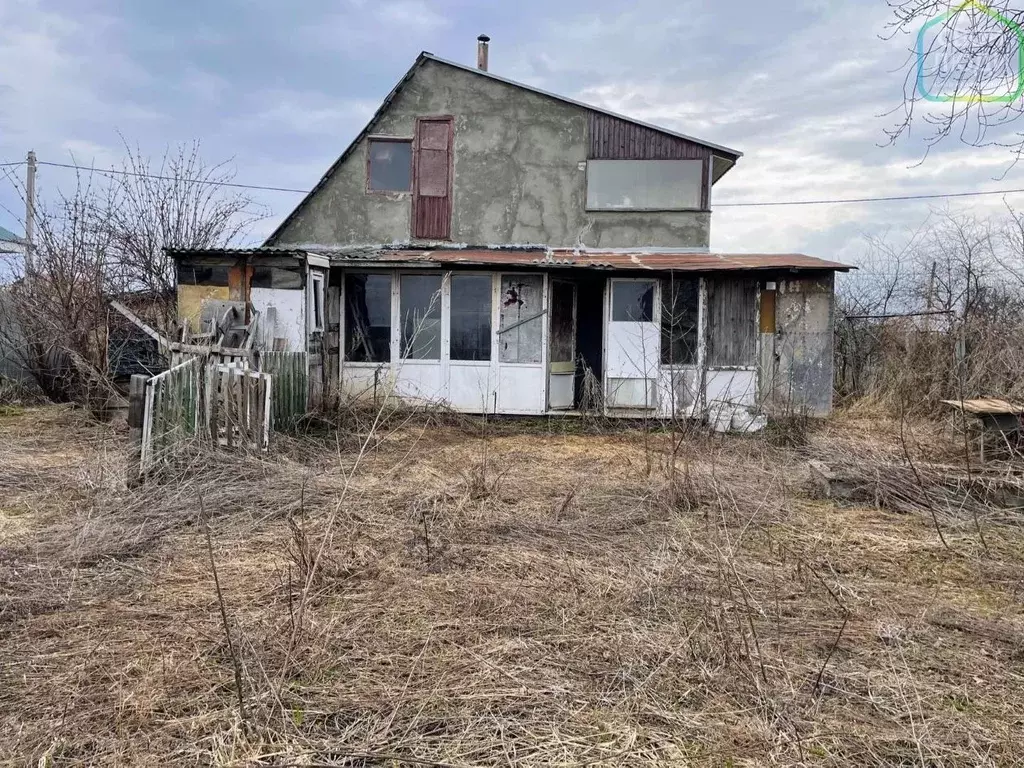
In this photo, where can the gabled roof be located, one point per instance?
(731, 154)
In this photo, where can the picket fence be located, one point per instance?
(235, 403)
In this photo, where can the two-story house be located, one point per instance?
(500, 249)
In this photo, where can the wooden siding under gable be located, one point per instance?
(612, 138)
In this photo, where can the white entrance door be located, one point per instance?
(562, 345)
(633, 343)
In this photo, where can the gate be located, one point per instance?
(238, 406)
(173, 401)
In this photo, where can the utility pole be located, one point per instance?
(30, 209)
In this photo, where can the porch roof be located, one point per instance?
(618, 259)
(662, 260)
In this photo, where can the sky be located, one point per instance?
(805, 89)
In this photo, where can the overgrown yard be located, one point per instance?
(533, 594)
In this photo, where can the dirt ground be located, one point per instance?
(441, 592)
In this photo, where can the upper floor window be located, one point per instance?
(389, 166)
(644, 185)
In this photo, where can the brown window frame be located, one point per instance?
(411, 141)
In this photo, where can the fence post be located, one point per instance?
(136, 415)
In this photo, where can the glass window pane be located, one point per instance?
(644, 184)
(679, 307)
(420, 304)
(633, 302)
(368, 318)
(563, 327)
(390, 166)
(471, 317)
(521, 319)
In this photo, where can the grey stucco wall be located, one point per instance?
(518, 176)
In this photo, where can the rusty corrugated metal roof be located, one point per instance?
(631, 260)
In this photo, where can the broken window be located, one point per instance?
(644, 185)
(389, 166)
(521, 319)
(368, 318)
(680, 300)
(420, 303)
(471, 317)
(732, 319)
(633, 301)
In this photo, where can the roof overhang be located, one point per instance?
(632, 259)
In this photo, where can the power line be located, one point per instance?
(136, 174)
(892, 198)
(11, 165)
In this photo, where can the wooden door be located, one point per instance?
(432, 179)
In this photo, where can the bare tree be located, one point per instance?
(180, 202)
(106, 238)
(965, 65)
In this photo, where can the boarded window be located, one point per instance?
(432, 202)
(732, 307)
(633, 302)
(367, 318)
(680, 302)
(420, 307)
(471, 317)
(638, 185)
(389, 166)
(521, 328)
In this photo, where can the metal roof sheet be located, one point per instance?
(539, 256)
(631, 260)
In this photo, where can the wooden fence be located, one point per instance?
(173, 401)
(290, 371)
(235, 400)
(238, 406)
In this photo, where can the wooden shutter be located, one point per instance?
(432, 185)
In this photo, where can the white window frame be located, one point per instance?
(317, 299)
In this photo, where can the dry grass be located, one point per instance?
(502, 596)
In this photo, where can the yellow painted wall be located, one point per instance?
(191, 298)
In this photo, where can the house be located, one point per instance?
(500, 249)
(10, 245)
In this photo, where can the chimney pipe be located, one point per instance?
(481, 52)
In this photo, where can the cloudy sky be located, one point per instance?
(801, 87)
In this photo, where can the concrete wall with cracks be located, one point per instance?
(519, 160)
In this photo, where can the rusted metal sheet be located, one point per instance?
(641, 260)
(613, 138)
